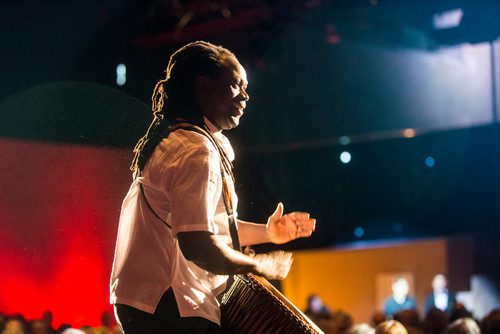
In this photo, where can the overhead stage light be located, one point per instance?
(447, 19)
(345, 157)
(121, 74)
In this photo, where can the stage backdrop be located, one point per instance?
(59, 208)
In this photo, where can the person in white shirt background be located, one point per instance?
(440, 298)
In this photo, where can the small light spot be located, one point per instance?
(409, 133)
(359, 231)
(345, 157)
(429, 161)
(345, 140)
(121, 74)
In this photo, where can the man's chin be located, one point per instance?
(231, 124)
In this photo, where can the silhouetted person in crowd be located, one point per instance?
(435, 321)
(315, 306)
(16, 324)
(459, 311)
(3, 319)
(378, 317)
(490, 324)
(47, 317)
(342, 321)
(39, 326)
(390, 327)
(361, 329)
(463, 326)
(399, 300)
(410, 319)
(440, 298)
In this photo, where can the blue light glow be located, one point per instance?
(359, 231)
(430, 162)
(345, 157)
(121, 74)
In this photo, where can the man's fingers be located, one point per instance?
(278, 212)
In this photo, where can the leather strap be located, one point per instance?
(225, 167)
(151, 208)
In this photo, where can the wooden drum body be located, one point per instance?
(253, 305)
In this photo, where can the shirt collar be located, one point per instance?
(217, 133)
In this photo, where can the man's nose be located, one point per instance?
(245, 95)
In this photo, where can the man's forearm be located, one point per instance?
(252, 233)
(212, 254)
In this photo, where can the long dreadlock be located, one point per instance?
(173, 98)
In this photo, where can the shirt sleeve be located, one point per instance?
(194, 190)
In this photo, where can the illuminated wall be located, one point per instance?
(59, 208)
(346, 278)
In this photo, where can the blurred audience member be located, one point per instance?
(361, 329)
(63, 327)
(391, 327)
(39, 326)
(459, 311)
(343, 322)
(491, 323)
(15, 326)
(410, 319)
(72, 331)
(3, 319)
(47, 318)
(378, 317)
(435, 321)
(463, 326)
(316, 306)
(400, 300)
(87, 329)
(440, 298)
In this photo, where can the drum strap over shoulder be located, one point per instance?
(225, 169)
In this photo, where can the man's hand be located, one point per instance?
(273, 265)
(282, 228)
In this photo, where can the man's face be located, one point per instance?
(439, 282)
(400, 288)
(223, 99)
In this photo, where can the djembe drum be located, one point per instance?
(253, 305)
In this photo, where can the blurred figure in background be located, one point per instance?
(378, 317)
(463, 326)
(410, 319)
(435, 321)
(39, 326)
(361, 329)
(400, 300)
(459, 311)
(391, 327)
(16, 325)
(440, 298)
(491, 323)
(315, 306)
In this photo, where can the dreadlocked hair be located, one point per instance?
(173, 98)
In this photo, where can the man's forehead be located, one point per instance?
(235, 69)
(243, 74)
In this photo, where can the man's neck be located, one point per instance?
(211, 126)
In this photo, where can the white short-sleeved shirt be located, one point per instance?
(182, 183)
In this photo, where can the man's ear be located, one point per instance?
(201, 85)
